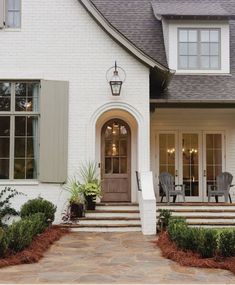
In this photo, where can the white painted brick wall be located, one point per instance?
(60, 41)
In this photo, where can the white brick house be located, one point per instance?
(67, 47)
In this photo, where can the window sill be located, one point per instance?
(11, 30)
(18, 182)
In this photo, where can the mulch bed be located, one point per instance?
(189, 258)
(36, 250)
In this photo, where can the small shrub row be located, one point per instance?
(39, 205)
(20, 234)
(207, 242)
(36, 215)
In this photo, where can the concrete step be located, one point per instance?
(117, 207)
(109, 217)
(109, 222)
(107, 229)
(105, 214)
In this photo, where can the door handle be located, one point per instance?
(204, 173)
(176, 173)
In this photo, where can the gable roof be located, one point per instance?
(194, 10)
(135, 21)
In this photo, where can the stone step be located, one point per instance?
(109, 222)
(114, 211)
(116, 204)
(199, 210)
(204, 215)
(107, 229)
(117, 208)
(105, 214)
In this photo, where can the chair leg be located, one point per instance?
(226, 198)
(230, 199)
(162, 198)
(216, 199)
(174, 198)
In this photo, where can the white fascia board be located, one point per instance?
(120, 38)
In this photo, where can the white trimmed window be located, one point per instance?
(199, 49)
(13, 13)
(10, 14)
(19, 144)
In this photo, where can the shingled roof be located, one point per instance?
(194, 10)
(135, 19)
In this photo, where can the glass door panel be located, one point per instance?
(190, 163)
(167, 157)
(213, 158)
(167, 153)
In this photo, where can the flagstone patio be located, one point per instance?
(109, 258)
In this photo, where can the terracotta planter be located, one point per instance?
(90, 202)
(76, 210)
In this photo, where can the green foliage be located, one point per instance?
(201, 240)
(5, 205)
(74, 188)
(91, 189)
(207, 243)
(39, 205)
(163, 219)
(90, 185)
(20, 235)
(227, 243)
(89, 172)
(39, 223)
(3, 243)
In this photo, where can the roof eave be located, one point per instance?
(121, 39)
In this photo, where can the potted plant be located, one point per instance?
(90, 186)
(76, 200)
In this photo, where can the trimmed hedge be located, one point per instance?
(227, 243)
(39, 205)
(207, 242)
(20, 234)
(3, 242)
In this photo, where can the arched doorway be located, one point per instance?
(116, 161)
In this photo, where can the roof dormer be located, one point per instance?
(196, 36)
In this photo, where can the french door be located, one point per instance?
(193, 158)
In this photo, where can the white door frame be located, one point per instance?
(178, 160)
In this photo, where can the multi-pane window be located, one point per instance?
(19, 114)
(199, 49)
(13, 13)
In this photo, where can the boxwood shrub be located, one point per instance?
(3, 243)
(39, 205)
(203, 241)
(20, 234)
(227, 243)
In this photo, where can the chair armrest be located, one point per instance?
(212, 187)
(232, 185)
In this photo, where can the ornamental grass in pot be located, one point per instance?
(76, 200)
(90, 186)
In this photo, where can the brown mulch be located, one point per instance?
(189, 258)
(36, 250)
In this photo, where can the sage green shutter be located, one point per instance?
(53, 150)
(2, 13)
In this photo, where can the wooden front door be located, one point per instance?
(116, 161)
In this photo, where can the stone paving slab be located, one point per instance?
(109, 258)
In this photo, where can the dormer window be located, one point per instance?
(10, 14)
(13, 13)
(199, 49)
